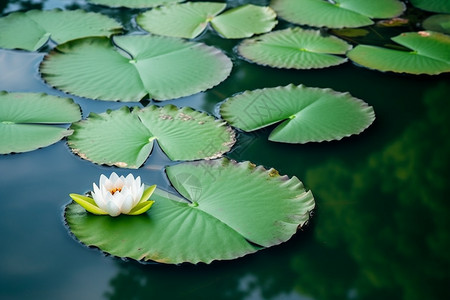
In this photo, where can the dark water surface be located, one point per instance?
(380, 231)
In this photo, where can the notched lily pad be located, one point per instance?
(131, 67)
(228, 210)
(29, 121)
(189, 19)
(337, 13)
(133, 3)
(306, 114)
(294, 48)
(32, 29)
(430, 54)
(125, 138)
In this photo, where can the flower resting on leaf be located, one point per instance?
(117, 195)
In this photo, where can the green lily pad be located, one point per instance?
(307, 114)
(133, 3)
(135, 66)
(440, 6)
(125, 139)
(26, 120)
(230, 209)
(338, 13)
(294, 48)
(430, 54)
(190, 19)
(32, 30)
(438, 23)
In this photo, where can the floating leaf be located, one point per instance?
(307, 114)
(32, 29)
(232, 209)
(135, 66)
(294, 48)
(438, 23)
(125, 139)
(133, 3)
(338, 13)
(440, 6)
(430, 54)
(190, 19)
(25, 120)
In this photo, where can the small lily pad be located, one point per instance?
(430, 54)
(190, 19)
(28, 121)
(438, 23)
(32, 29)
(133, 3)
(227, 210)
(337, 13)
(131, 67)
(295, 48)
(439, 6)
(306, 114)
(125, 139)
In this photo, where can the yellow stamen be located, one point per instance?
(114, 190)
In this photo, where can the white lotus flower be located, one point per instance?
(117, 195)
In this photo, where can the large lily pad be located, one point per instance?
(125, 139)
(190, 19)
(31, 30)
(440, 6)
(229, 210)
(135, 66)
(133, 3)
(430, 54)
(26, 120)
(307, 114)
(295, 48)
(338, 13)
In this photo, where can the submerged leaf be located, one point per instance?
(338, 13)
(306, 114)
(125, 139)
(294, 48)
(133, 3)
(230, 209)
(32, 29)
(135, 66)
(26, 118)
(438, 23)
(190, 19)
(430, 54)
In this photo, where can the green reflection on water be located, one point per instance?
(381, 226)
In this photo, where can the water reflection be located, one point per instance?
(391, 214)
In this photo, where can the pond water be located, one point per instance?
(380, 230)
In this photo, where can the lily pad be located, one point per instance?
(133, 3)
(294, 48)
(135, 66)
(440, 6)
(32, 29)
(190, 19)
(338, 13)
(28, 120)
(307, 114)
(125, 139)
(438, 23)
(228, 210)
(430, 54)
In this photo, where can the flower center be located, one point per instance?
(114, 190)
